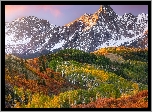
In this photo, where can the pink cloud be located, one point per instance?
(53, 9)
(16, 9)
(10, 9)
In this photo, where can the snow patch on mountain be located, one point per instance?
(58, 45)
(70, 38)
(123, 40)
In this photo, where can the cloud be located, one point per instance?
(12, 9)
(53, 9)
(16, 9)
(13, 12)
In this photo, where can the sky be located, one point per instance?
(63, 14)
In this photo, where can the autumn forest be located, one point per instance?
(112, 77)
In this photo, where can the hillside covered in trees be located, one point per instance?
(113, 77)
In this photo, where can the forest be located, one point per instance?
(112, 77)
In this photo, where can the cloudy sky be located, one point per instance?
(62, 14)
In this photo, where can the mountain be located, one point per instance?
(141, 42)
(29, 37)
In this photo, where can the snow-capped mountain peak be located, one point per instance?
(29, 37)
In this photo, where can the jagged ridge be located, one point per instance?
(31, 37)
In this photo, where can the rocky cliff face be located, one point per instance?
(29, 37)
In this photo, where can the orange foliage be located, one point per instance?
(51, 84)
(135, 101)
(104, 51)
(26, 84)
(101, 51)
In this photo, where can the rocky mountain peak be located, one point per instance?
(88, 19)
(31, 37)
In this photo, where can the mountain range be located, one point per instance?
(29, 37)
